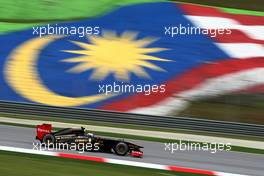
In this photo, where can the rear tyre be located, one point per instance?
(121, 149)
(49, 139)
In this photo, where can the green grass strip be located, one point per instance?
(16, 17)
(244, 12)
(36, 11)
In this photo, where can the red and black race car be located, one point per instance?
(70, 136)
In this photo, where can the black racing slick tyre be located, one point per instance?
(49, 139)
(121, 149)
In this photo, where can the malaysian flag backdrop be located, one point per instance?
(137, 45)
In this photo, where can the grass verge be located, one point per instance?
(27, 164)
(243, 108)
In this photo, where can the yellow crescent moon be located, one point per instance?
(21, 74)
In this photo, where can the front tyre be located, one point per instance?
(121, 149)
(49, 139)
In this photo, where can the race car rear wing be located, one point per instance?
(42, 130)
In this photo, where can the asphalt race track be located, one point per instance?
(233, 162)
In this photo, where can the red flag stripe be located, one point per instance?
(199, 10)
(187, 81)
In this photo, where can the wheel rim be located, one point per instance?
(121, 149)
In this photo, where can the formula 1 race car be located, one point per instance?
(75, 136)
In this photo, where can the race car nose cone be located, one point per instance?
(138, 154)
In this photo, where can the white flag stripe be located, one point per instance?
(227, 174)
(254, 32)
(212, 87)
(242, 50)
